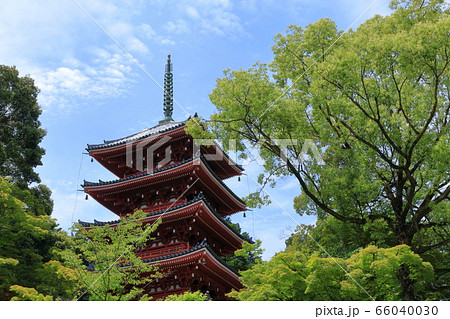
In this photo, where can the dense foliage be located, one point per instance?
(361, 120)
(188, 296)
(370, 274)
(246, 257)
(20, 131)
(29, 238)
(29, 245)
(105, 261)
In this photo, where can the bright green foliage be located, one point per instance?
(57, 280)
(374, 104)
(8, 261)
(188, 296)
(28, 294)
(371, 272)
(105, 260)
(247, 257)
(281, 278)
(26, 239)
(20, 131)
(340, 239)
(324, 278)
(378, 271)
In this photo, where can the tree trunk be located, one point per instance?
(408, 291)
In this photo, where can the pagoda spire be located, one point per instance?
(168, 93)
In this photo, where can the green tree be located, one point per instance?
(20, 129)
(374, 104)
(105, 260)
(380, 271)
(59, 281)
(27, 243)
(249, 255)
(281, 278)
(28, 236)
(188, 296)
(28, 294)
(294, 275)
(339, 239)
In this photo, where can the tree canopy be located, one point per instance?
(375, 104)
(29, 237)
(28, 245)
(369, 273)
(20, 129)
(105, 260)
(188, 296)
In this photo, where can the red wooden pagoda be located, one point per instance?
(160, 171)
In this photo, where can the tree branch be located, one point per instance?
(424, 249)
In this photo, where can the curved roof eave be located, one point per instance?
(145, 174)
(198, 247)
(158, 129)
(197, 199)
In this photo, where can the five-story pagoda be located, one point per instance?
(161, 171)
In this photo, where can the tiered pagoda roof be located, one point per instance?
(108, 152)
(198, 166)
(210, 219)
(138, 137)
(201, 250)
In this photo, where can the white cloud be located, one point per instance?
(108, 75)
(136, 46)
(192, 13)
(250, 5)
(48, 41)
(146, 31)
(212, 16)
(177, 27)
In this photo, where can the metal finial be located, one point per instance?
(168, 93)
(169, 64)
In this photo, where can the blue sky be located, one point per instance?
(91, 90)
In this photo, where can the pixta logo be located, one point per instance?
(148, 159)
(141, 156)
(308, 150)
